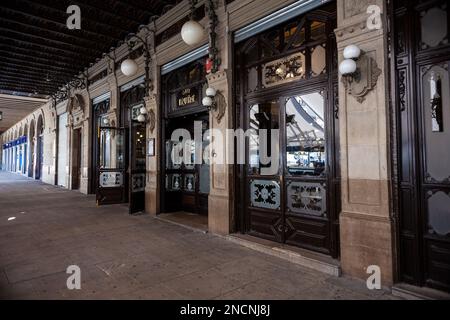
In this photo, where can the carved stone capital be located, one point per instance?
(151, 104)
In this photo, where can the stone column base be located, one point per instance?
(365, 241)
(219, 208)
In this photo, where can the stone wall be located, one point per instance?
(365, 221)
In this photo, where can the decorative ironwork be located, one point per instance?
(213, 50)
(189, 182)
(402, 89)
(138, 182)
(336, 102)
(133, 40)
(436, 102)
(265, 194)
(284, 70)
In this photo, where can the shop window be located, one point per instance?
(263, 116)
(318, 30)
(318, 60)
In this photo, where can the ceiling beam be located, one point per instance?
(55, 24)
(6, 75)
(53, 61)
(19, 50)
(41, 83)
(45, 43)
(24, 89)
(4, 21)
(37, 35)
(33, 62)
(24, 71)
(91, 22)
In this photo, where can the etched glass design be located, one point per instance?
(306, 198)
(265, 194)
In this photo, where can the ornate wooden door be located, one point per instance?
(422, 61)
(286, 86)
(111, 166)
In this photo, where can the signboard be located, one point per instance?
(187, 97)
(111, 179)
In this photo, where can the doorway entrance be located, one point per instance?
(289, 186)
(185, 177)
(76, 159)
(422, 62)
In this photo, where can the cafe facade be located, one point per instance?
(361, 174)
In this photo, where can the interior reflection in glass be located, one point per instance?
(263, 116)
(305, 134)
(111, 149)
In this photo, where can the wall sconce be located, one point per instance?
(359, 72)
(129, 66)
(142, 115)
(192, 32)
(215, 101)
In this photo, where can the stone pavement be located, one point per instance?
(136, 257)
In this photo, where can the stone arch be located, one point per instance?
(40, 125)
(32, 142)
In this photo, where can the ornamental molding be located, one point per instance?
(365, 80)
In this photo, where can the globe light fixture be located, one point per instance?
(347, 67)
(192, 33)
(129, 67)
(210, 92)
(141, 118)
(207, 102)
(352, 52)
(143, 110)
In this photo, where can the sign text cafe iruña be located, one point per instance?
(187, 97)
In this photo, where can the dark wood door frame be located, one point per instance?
(327, 83)
(406, 62)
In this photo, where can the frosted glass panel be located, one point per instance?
(436, 122)
(439, 213)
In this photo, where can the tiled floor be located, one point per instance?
(135, 257)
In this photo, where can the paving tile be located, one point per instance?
(136, 257)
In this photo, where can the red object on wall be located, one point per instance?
(208, 65)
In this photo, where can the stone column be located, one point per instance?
(365, 224)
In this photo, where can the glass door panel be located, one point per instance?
(137, 167)
(111, 166)
(264, 182)
(306, 222)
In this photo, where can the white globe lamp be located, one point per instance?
(352, 52)
(192, 32)
(129, 67)
(207, 101)
(348, 66)
(141, 118)
(143, 110)
(211, 92)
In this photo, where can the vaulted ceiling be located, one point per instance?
(38, 52)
